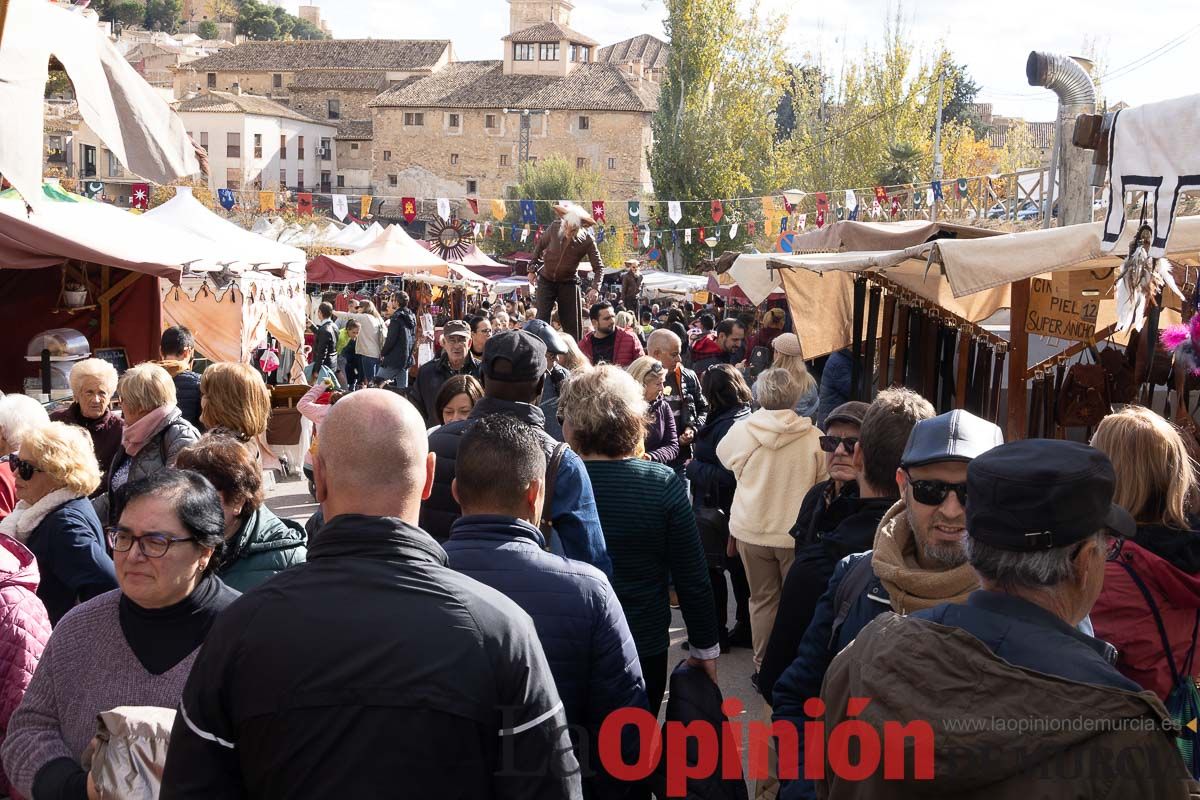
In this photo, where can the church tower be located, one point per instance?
(527, 13)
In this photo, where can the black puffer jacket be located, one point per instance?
(709, 477)
(397, 348)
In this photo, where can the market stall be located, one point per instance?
(393, 252)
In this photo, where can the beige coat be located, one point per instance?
(776, 459)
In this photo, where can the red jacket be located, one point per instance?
(1122, 617)
(626, 348)
(8, 489)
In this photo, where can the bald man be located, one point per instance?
(685, 398)
(373, 666)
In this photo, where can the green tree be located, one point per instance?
(960, 98)
(163, 15)
(208, 30)
(1020, 151)
(59, 85)
(552, 178)
(904, 161)
(303, 29)
(284, 20)
(129, 12)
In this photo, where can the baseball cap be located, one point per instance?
(543, 330)
(1040, 494)
(954, 436)
(852, 412)
(456, 327)
(514, 356)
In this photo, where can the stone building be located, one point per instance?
(645, 51)
(353, 146)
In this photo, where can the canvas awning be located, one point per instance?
(393, 253)
(479, 262)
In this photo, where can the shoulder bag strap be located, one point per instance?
(1162, 629)
(547, 526)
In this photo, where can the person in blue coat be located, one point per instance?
(55, 471)
(835, 383)
(574, 608)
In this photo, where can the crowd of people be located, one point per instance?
(505, 528)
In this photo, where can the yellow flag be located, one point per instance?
(498, 209)
(365, 206)
(266, 201)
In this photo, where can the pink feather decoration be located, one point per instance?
(1184, 342)
(1175, 335)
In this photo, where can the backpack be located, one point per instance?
(1183, 701)
(1084, 399)
(854, 583)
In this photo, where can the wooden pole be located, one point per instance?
(105, 309)
(1018, 360)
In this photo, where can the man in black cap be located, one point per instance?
(456, 359)
(555, 376)
(514, 374)
(1020, 703)
(918, 561)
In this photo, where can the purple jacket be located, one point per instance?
(662, 440)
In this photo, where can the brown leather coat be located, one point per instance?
(557, 259)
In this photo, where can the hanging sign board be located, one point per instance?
(1060, 315)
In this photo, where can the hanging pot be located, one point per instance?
(75, 298)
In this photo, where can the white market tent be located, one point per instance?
(185, 212)
(394, 252)
(656, 282)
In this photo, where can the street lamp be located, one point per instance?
(711, 241)
(523, 137)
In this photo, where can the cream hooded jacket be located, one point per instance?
(776, 459)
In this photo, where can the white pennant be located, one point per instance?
(674, 211)
(803, 222)
(475, 228)
(525, 233)
(851, 201)
(340, 208)
(443, 208)
(687, 236)
(646, 238)
(733, 230)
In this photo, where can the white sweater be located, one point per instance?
(776, 459)
(371, 336)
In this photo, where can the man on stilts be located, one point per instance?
(554, 269)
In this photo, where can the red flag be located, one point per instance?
(822, 201)
(139, 196)
(304, 203)
(821, 219)
(474, 204)
(787, 205)
(895, 206)
(408, 208)
(717, 211)
(881, 194)
(598, 210)
(541, 229)
(751, 227)
(702, 234)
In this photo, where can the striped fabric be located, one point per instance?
(651, 534)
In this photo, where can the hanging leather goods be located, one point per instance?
(901, 360)
(885, 344)
(1060, 374)
(946, 386)
(1048, 398)
(916, 341)
(1033, 426)
(1084, 400)
(868, 364)
(965, 355)
(997, 379)
(856, 346)
(929, 359)
(977, 391)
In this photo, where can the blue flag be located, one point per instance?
(226, 198)
(937, 190)
(516, 233)
(783, 224)
(599, 233)
(528, 214)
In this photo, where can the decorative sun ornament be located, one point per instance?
(451, 240)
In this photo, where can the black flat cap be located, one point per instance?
(514, 356)
(954, 436)
(543, 330)
(852, 412)
(1041, 494)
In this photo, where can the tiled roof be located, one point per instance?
(483, 84)
(355, 130)
(340, 79)
(549, 32)
(62, 124)
(1042, 134)
(229, 103)
(650, 50)
(294, 56)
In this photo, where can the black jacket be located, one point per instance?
(325, 347)
(397, 348)
(371, 670)
(688, 405)
(807, 579)
(430, 377)
(710, 480)
(187, 396)
(821, 512)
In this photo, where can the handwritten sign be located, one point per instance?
(1060, 315)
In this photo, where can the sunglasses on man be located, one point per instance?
(934, 493)
(23, 469)
(830, 444)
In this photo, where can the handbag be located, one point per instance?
(713, 524)
(1085, 397)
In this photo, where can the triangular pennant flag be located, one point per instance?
(787, 205)
(528, 212)
(801, 222)
(498, 210)
(821, 218)
(936, 188)
(226, 198)
(541, 229)
(674, 237)
(524, 233)
(599, 234)
(598, 211)
(851, 201)
(443, 208)
(487, 229)
(304, 203)
(854, 213)
(822, 201)
(674, 211)
(365, 206)
(876, 209)
(139, 195)
(960, 186)
(841, 211)
(408, 208)
(474, 204)
(733, 230)
(266, 201)
(895, 206)
(645, 237)
(340, 207)
(918, 198)
(475, 229)
(515, 233)
(687, 235)
(717, 211)
(635, 211)
(750, 228)
(880, 194)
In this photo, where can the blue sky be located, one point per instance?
(992, 38)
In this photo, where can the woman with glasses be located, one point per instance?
(776, 458)
(155, 431)
(1154, 577)
(56, 470)
(18, 415)
(662, 441)
(827, 503)
(132, 647)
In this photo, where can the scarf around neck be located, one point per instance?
(910, 586)
(24, 518)
(135, 436)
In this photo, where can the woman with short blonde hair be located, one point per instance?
(661, 439)
(155, 431)
(1155, 481)
(573, 360)
(233, 396)
(93, 384)
(647, 519)
(789, 355)
(56, 470)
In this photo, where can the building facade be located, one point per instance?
(256, 143)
